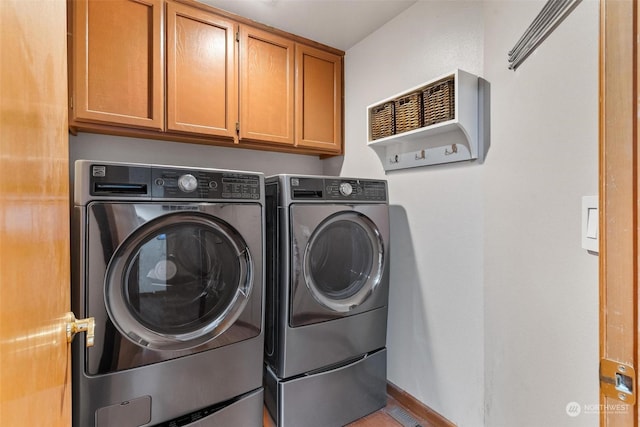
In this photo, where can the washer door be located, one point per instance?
(178, 281)
(339, 261)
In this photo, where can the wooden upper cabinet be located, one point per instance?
(117, 62)
(318, 99)
(201, 72)
(181, 70)
(266, 87)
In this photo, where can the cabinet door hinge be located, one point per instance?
(237, 127)
(618, 381)
(71, 102)
(237, 36)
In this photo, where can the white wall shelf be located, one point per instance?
(453, 140)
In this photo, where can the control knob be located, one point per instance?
(346, 189)
(187, 183)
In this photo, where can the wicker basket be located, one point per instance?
(408, 112)
(382, 120)
(439, 102)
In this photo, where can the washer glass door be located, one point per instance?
(178, 281)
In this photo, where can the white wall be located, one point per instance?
(114, 148)
(435, 334)
(541, 288)
(493, 308)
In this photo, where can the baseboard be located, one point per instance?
(418, 408)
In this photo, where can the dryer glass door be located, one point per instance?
(343, 261)
(178, 281)
(338, 261)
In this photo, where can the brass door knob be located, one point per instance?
(80, 325)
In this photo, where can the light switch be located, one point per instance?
(592, 223)
(590, 220)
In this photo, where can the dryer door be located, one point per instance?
(339, 261)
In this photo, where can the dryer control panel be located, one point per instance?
(338, 189)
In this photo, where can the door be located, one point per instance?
(318, 99)
(117, 62)
(338, 261)
(202, 89)
(266, 87)
(34, 215)
(619, 213)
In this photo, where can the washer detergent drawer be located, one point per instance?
(334, 397)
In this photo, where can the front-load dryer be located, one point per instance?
(327, 297)
(168, 260)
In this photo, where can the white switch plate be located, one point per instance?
(590, 223)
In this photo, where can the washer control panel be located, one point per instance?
(346, 189)
(187, 183)
(203, 184)
(339, 189)
(160, 182)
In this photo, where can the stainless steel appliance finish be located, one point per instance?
(243, 411)
(334, 397)
(169, 262)
(327, 290)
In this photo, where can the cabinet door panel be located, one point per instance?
(117, 63)
(318, 99)
(266, 87)
(201, 82)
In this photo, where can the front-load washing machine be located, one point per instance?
(168, 260)
(327, 295)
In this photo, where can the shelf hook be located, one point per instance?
(454, 149)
